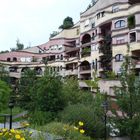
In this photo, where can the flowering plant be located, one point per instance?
(80, 127)
(13, 134)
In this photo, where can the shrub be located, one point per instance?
(73, 95)
(4, 95)
(64, 130)
(93, 124)
(131, 21)
(40, 117)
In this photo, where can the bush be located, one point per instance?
(73, 95)
(64, 130)
(4, 95)
(40, 117)
(93, 124)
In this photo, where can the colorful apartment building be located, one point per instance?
(97, 43)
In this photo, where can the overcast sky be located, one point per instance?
(32, 21)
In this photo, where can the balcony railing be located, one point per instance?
(85, 69)
(15, 74)
(137, 63)
(71, 72)
(86, 54)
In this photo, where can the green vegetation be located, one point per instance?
(128, 102)
(19, 46)
(28, 79)
(64, 130)
(4, 95)
(131, 21)
(4, 76)
(67, 23)
(54, 33)
(57, 105)
(110, 75)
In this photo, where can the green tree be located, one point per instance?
(91, 114)
(128, 101)
(73, 94)
(19, 46)
(6, 51)
(27, 81)
(54, 33)
(4, 95)
(67, 23)
(47, 93)
(4, 75)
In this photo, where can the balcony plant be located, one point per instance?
(86, 51)
(131, 21)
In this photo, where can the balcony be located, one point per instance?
(71, 72)
(86, 51)
(100, 38)
(82, 84)
(15, 74)
(137, 64)
(86, 44)
(134, 1)
(85, 69)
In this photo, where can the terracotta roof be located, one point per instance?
(19, 54)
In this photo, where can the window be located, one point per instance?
(15, 59)
(120, 40)
(60, 47)
(61, 57)
(87, 22)
(119, 57)
(93, 25)
(57, 69)
(77, 31)
(8, 59)
(133, 37)
(120, 23)
(94, 48)
(96, 32)
(115, 8)
(93, 36)
(61, 67)
(103, 13)
(57, 56)
(98, 15)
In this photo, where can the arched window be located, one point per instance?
(119, 57)
(8, 59)
(15, 59)
(86, 38)
(120, 23)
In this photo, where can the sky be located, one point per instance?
(32, 21)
